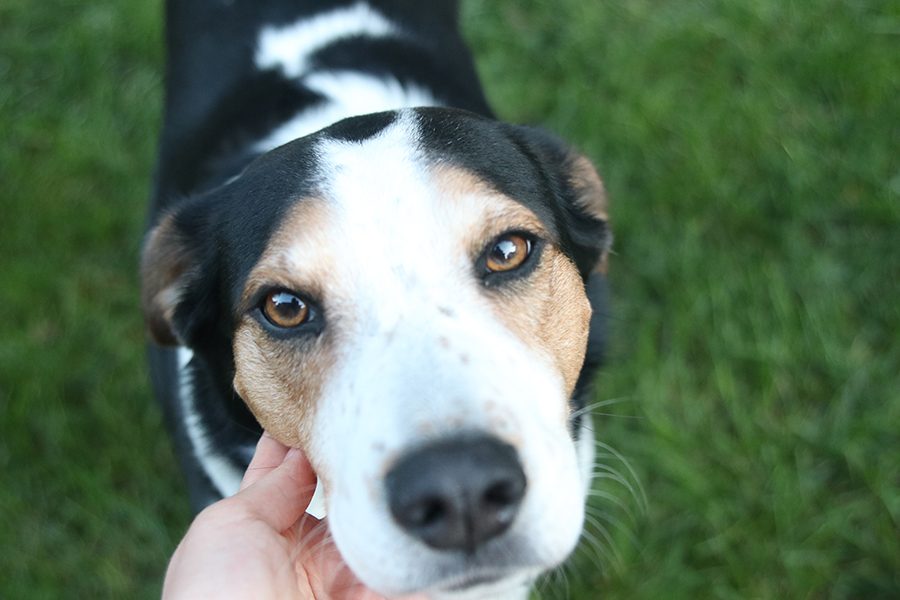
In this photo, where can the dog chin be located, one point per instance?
(505, 569)
(477, 585)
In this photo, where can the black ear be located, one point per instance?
(580, 203)
(178, 276)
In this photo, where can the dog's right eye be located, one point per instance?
(507, 252)
(285, 310)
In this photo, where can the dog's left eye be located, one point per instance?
(286, 310)
(507, 252)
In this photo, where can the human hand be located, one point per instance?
(260, 543)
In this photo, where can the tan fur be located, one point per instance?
(549, 310)
(280, 382)
(566, 315)
(589, 189)
(591, 196)
(493, 213)
(164, 263)
(305, 270)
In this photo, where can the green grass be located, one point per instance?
(751, 152)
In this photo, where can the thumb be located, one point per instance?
(268, 455)
(280, 497)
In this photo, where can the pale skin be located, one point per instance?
(260, 543)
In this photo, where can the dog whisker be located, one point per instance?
(607, 537)
(624, 461)
(589, 408)
(343, 574)
(549, 585)
(599, 554)
(606, 472)
(614, 500)
(617, 523)
(606, 414)
(302, 546)
(561, 572)
(326, 541)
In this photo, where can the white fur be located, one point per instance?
(425, 357)
(586, 452)
(289, 48)
(348, 94)
(222, 473)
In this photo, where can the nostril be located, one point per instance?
(503, 493)
(427, 513)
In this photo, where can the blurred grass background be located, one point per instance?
(751, 152)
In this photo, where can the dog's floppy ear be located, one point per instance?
(581, 204)
(589, 198)
(177, 277)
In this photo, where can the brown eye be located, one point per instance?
(284, 309)
(507, 253)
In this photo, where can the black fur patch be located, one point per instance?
(358, 129)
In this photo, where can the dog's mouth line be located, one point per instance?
(471, 579)
(471, 582)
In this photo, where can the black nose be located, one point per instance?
(456, 494)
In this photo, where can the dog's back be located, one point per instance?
(245, 76)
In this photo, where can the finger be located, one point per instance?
(280, 497)
(269, 454)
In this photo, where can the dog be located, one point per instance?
(347, 250)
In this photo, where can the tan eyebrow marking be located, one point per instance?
(497, 212)
(295, 257)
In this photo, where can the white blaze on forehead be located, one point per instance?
(390, 226)
(289, 48)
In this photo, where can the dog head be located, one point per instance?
(403, 297)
